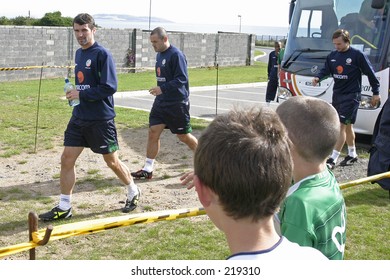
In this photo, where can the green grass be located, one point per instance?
(188, 238)
(22, 114)
(159, 241)
(368, 219)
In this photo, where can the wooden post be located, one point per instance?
(32, 227)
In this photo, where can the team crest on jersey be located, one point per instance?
(339, 69)
(349, 60)
(164, 61)
(88, 63)
(80, 77)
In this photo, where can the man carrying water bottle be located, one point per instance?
(92, 123)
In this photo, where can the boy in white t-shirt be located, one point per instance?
(243, 169)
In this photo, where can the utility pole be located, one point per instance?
(150, 12)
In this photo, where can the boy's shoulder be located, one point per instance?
(314, 189)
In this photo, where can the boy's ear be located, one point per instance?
(204, 193)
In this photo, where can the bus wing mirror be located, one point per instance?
(377, 4)
(292, 6)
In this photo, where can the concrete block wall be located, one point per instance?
(200, 49)
(54, 47)
(118, 41)
(231, 50)
(23, 46)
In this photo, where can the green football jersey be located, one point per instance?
(314, 214)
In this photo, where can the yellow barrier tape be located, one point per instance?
(71, 67)
(365, 180)
(10, 250)
(31, 67)
(92, 226)
(37, 236)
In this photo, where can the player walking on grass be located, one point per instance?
(92, 123)
(171, 105)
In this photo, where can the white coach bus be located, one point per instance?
(309, 41)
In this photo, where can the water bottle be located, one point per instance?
(68, 87)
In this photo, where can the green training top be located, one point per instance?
(314, 214)
(280, 56)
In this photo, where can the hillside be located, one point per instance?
(130, 18)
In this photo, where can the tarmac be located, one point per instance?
(206, 101)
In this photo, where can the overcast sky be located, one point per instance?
(253, 12)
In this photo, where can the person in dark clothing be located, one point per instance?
(346, 65)
(272, 72)
(171, 106)
(379, 160)
(92, 123)
(370, 21)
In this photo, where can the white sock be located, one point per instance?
(132, 190)
(148, 165)
(352, 151)
(335, 155)
(65, 202)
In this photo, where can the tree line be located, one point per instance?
(49, 19)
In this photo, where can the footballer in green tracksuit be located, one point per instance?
(316, 215)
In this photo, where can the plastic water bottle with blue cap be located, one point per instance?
(68, 87)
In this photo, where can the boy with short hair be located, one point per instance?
(242, 172)
(314, 212)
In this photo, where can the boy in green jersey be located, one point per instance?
(254, 142)
(313, 213)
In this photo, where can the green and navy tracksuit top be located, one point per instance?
(96, 79)
(172, 76)
(347, 68)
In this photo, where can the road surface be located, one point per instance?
(205, 102)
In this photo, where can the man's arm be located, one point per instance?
(374, 82)
(269, 64)
(325, 72)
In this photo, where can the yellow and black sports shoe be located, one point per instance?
(56, 214)
(131, 204)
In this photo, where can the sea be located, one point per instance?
(259, 31)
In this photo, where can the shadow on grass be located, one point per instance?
(38, 197)
(35, 197)
(171, 147)
(367, 194)
(15, 227)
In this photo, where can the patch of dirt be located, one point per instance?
(39, 174)
(36, 176)
(350, 173)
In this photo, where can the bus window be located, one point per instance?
(309, 24)
(317, 24)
